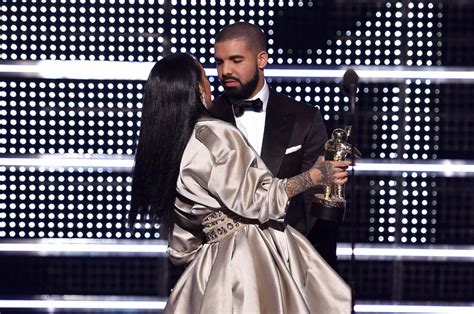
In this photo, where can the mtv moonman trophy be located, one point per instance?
(332, 205)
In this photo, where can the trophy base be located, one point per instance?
(328, 209)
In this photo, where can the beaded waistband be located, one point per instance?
(217, 226)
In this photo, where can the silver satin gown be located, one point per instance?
(229, 232)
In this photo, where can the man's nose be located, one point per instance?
(226, 68)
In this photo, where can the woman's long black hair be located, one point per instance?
(172, 104)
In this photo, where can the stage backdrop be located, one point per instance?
(71, 81)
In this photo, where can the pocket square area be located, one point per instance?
(292, 149)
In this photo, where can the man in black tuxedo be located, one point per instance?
(288, 135)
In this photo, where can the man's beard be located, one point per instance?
(244, 91)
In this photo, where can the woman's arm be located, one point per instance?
(321, 173)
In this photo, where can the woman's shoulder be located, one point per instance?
(219, 127)
(218, 135)
(212, 122)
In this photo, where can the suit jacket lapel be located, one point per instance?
(278, 127)
(222, 109)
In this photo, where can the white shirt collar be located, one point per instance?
(263, 94)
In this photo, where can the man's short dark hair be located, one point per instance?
(243, 30)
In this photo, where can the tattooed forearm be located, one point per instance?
(321, 173)
(297, 184)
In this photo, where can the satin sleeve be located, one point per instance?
(240, 180)
(186, 238)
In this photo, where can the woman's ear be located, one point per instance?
(202, 96)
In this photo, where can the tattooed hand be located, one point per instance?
(330, 172)
(327, 171)
(322, 173)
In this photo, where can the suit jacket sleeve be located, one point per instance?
(314, 144)
(313, 148)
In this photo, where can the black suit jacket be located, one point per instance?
(288, 123)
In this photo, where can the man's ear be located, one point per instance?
(262, 59)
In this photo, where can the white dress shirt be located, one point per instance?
(251, 123)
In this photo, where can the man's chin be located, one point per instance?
(232, 92)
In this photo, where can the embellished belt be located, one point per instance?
(217, 226)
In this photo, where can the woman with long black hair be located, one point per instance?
(222, 207)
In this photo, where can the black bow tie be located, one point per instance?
(241, 106)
